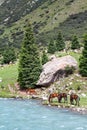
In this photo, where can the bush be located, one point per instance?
(69, 70)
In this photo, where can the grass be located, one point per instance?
(72, 53)
(8, 74)
(82, 102)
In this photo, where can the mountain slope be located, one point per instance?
(47, 17)
(1, 1)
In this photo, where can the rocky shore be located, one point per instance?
(73, 108)
(41, 95)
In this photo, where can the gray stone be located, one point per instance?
(54, 69)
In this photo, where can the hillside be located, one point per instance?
(1, 1)
(46, 16)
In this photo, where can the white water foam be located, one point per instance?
(2, 126)
(79, 128)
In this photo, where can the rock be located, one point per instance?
(54, 69)
(83, 95)
(0, 79)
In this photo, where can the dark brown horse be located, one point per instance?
(74, 97)
(62, 95)
(51, 96)
(59, 96)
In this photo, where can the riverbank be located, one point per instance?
(82, 109)
(76, 109)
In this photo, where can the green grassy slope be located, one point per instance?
(8, 74)
(47, 19)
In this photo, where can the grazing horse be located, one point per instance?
(59, 96)
(74, 97)
(52, 95)
(62, 95)
(31, 91)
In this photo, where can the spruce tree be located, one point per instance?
(44, 57)
(75, 43)
(83, 59)
(29, 61)
(9, 55)
(60, 44)
(51, 47)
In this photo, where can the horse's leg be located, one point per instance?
(49, 99)
(71, 101)
(65, 99)
(78, 101)
(59, 99)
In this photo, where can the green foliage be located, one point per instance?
(60, 45)
(51, 47)
(83, 59)
(44, 57)
(45, 21)
(69, 70)
(8, 56)
(75, 43)
(29, 62)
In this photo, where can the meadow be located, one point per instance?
(9, 74)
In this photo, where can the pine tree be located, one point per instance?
(83, 59)
(60, 44)
(29, 61)
(9, 55)
(44, 57)
(75, 43)
(51, 47)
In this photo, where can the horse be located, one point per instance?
(59, 96)
(52, 95)
(62, 95)
(74, 97)
(31, 91)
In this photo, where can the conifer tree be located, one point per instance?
(9, 55)
(44, 57)
(60, 44)
(83, 59)
(29, 61)
(75, 43)
(51, 47)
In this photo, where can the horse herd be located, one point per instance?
(60, 96)
(73, 97)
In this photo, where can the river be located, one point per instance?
(31, 115)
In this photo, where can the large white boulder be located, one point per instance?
(54, 69)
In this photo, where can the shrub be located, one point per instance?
(69, 70)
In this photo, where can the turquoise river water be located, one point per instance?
(31, 115)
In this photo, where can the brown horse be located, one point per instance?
(74, 97)
(31, 91)
(52, 95)
(59, 96)
(62, 95)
